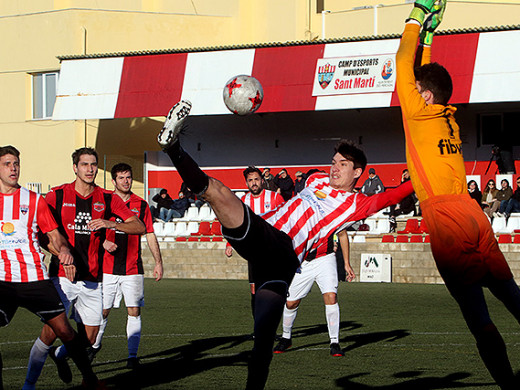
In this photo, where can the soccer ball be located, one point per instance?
(243, 94)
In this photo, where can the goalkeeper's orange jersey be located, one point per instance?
(433, 145)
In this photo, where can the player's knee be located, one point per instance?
(291, 305)
(330, 298)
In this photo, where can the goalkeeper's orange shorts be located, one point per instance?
(462, 240)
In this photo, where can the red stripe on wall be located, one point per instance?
(457, 53)
(287, 74)
(150, 85)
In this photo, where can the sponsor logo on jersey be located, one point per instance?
(326, 74)
(24, 208)
(80, 225)
(388, 69)
(447, 147)
(99, 207)
(7, 229)
(320, 195)
(69, 204)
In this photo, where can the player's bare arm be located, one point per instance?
(151, 240)
(345, 251)
(131, 226)
(58, 246)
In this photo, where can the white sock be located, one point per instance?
(101, 331)
(133, 334)
(39, 352)
(289, 315)
(332, 314)
(61, 352)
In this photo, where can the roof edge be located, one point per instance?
(279, 44)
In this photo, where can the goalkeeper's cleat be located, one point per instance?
(336, 351)
(173, 124)
(283, 345)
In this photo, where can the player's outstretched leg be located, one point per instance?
(227, 207)
(270, 301)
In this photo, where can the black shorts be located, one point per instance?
(269, 250)
(39, 297)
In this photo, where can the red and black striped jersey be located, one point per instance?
(126, 259)
(73, 212)
(22, 213)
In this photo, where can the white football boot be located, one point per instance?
(173, 123)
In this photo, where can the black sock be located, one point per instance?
(191, 174)
(1, 367)
(268, 313)
(77, 350)
(492, 350)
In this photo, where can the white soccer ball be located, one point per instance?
(243, 94)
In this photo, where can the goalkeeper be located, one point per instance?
(462, 241)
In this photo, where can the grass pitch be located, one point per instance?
(196, 336)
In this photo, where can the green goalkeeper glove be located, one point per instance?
(431, 23)
(423, 7)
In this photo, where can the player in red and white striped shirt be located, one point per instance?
(23, 276)
(261, 201)
(277, 242)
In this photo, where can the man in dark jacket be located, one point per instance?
(285, 185)
(299, 182)
(373, 185)
(164, 203)
(269, 183)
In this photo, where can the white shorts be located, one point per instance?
(83, 298)
(132, 287)
(322, 270)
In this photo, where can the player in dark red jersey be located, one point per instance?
(278, 241)
(123, 266)
(23, 275)
(83, 211)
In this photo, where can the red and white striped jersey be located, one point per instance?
(319, 210)
(22, 213)
(265, 202)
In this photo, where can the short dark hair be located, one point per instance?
(351, 152)
(81, 151)
(163, 191)
(121, 167)
(9, 149)
(251, 169)
(436, 79)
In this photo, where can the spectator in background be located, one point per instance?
(513, 205)
(503, 196)
(180, 205)
(191, 196)
(299, 182)
(474, 191)
(285, 184)
(406, 206)
(372, 185)
(489, 199)
(164, 203)
(269, 183)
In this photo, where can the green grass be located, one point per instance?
(395, 336)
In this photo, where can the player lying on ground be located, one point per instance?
(462, 240)
(278, 241)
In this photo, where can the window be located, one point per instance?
(44, 94)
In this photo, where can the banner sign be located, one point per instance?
(376, 268)
(349, 75)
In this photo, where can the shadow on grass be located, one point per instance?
(352, 341)
(177, 363)
(450, 381)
